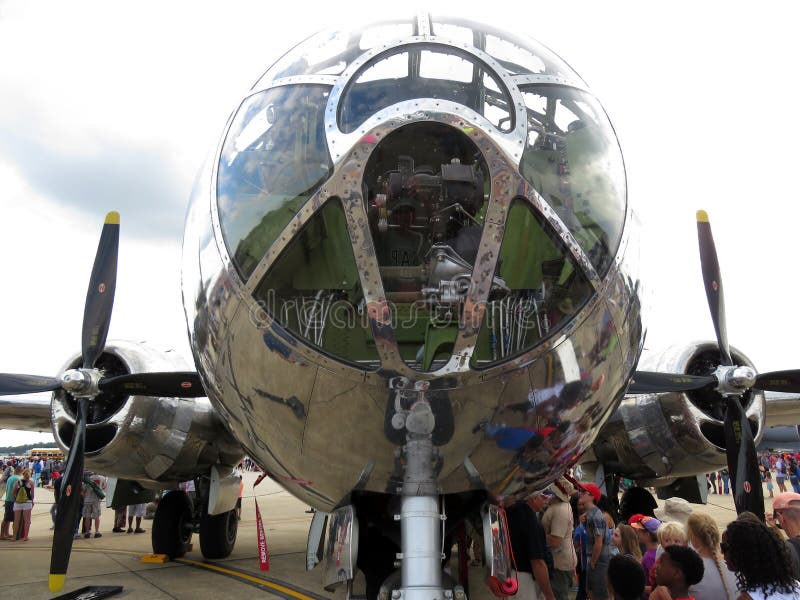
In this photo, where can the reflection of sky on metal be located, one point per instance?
(97, 116)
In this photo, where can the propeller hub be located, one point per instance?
(733, 381)
(81, 383)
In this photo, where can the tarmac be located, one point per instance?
(115, 558)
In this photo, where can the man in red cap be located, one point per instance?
(599, 551)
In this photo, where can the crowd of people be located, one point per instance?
(19, 479)
(776, 468)
(570, 543)
(42, 469)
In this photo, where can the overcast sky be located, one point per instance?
(113, 106)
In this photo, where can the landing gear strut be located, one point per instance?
(420, 525)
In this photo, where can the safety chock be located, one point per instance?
(154, 558)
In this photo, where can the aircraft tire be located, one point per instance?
(218, 534)
(172, 525)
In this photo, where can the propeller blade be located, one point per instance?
(742, 460)
(100, 295)
(712, 280)
(650, 382)
(169, 385)
(11, 383)
(779, 381)
(69, 502)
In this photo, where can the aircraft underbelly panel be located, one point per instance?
(322, 434)
(544, 419)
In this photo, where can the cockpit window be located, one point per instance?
(517, 60)
(438, 65)
(457, 33)
(538, 289)
(329, 52)
(424, 71)
(573, 159)
(274, 158)
(377, 35)
(313, 290)
(517, 55)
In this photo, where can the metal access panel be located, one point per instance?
(341, 548)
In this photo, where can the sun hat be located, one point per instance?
(562, 489)
(675, 509)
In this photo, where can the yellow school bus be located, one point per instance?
(46, 453)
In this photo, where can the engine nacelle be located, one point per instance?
(152, 440)
(657, 438)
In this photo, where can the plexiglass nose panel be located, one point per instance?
(573, 160)
(544, 289)
(274, 158)
(314, 291)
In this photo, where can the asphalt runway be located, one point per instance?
(114, 559)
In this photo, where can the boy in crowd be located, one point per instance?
(598, 546)
(678, 568)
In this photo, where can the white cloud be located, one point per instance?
(700, 94)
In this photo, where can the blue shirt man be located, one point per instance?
(37, 472)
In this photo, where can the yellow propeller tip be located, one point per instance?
(56, 582)
(702, 216)
(112, 218)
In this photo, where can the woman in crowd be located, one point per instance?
(760, 560)
(625, 540)
(23, 506)
(718, 583)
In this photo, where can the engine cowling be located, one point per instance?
(152, 440)
(657, 438)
